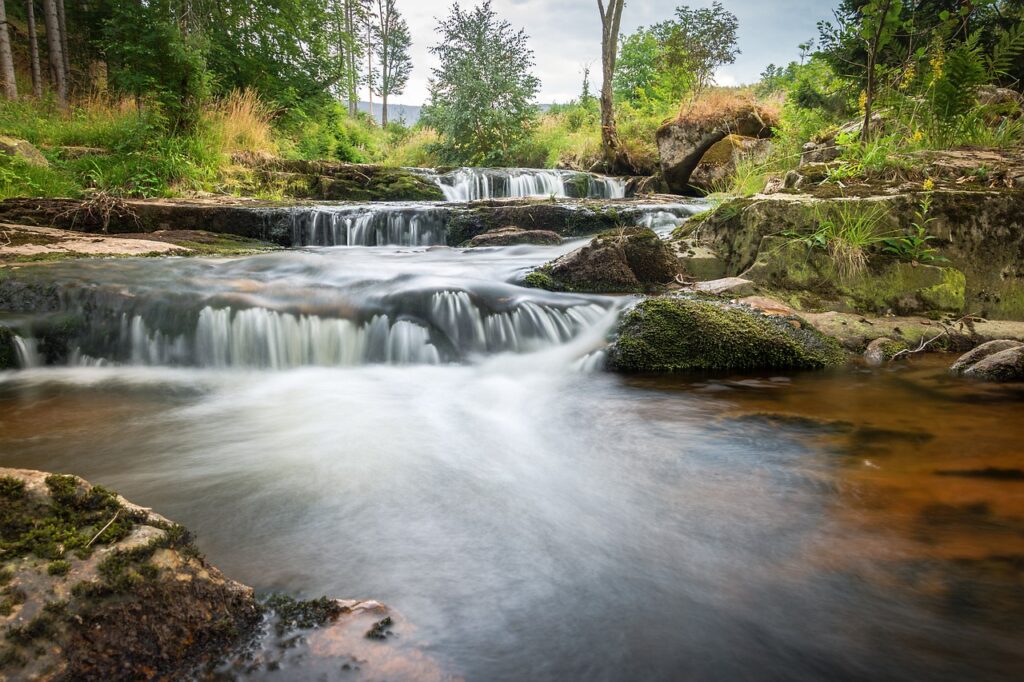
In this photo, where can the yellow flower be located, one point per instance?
(908, 77)
(862, 101)
(918, 136)
(929, 185)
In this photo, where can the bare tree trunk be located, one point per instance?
(33, 48)
(63, 26)
(6, 58)
(873, 46)
(610, 22)
(369, 64)
(56, 54)
(384, 110)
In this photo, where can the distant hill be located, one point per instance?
(408, 113)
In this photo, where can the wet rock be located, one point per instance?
(23, 150)
(728, 286)
(626, 260)
(1001, 360)
(673, 334)
(652, 184)
(510, 236)
(682, 143)
(8, 353)
(883, 350)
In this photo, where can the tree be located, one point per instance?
(392, 46)
(611, 20)
(881, 19)
(697, 42)
(481, 95)
(56, 52)
(6, 58)
(33, 48)
(637, 74)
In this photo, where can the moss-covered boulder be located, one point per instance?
(809, 278)
(675, 334)
(980, 232)
(22, 150)
(8, 353)
(629, 260)
(94, 587)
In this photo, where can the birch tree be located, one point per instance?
(6, 58)
(611, 19)
(392, 48)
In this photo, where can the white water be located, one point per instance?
(475, 184)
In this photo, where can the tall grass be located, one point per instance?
(846, 231)
(241, 121)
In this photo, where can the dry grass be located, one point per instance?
(729, 103)
(243, 122)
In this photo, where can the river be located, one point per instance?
(405, 423)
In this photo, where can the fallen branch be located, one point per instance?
(94, 537)
(100, 208)
(947, 330)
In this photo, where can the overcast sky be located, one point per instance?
(566, 34)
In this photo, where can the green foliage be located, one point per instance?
(481, 94)
(914, 247)
(846, 231)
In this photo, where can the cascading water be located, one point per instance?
(370, 225)
(474, 184)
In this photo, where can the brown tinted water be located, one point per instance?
(540, 523)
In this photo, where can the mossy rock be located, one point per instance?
(808, 278)
(679, 334)
(628, 260)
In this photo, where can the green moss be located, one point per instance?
(59, 567)
(73, 517)
(674, 334)
(11, 488)
(293, 614)
(542, 279)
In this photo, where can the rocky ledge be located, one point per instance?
(93, 587)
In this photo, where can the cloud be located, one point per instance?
(565, 36)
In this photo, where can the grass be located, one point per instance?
(846, 231)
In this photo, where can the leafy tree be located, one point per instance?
(392, 48)
(481, 95)
(696, 43)
(637, 74)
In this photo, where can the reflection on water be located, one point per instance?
(538, 523)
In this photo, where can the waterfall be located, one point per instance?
(475, 184)
(369, 225)
(444, 327)
(28, 352)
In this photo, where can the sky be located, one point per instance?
(565, 36)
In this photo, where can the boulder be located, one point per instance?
(673, 334)
(883, 350)
(719, 164)
(991, 95)
(627, 260)
(650, 184)
(982, 352)
(22, 149)
(682, 143)
(1004, 366)
(94, 587)
(510, 236)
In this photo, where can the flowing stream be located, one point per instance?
(406, 423)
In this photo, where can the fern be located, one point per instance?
(1006, 51)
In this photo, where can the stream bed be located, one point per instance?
(407, 424)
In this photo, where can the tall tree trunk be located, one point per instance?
(6, 58)
(610, 21)
(384, 110)
(63, 26)
(369, 64)
(59, 76)
(33, 48)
